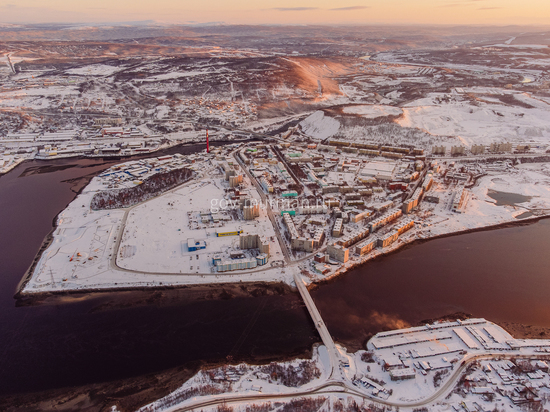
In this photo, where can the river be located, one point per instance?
(502, 275)
(86, 338)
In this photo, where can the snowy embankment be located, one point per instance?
(275, 378)
(481, 211)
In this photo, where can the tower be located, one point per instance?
(207, 143)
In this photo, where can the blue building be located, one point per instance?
(193, 245)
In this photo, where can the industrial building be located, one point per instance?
(108, 121)
(380, 170)
(402, 374)
(61, 136)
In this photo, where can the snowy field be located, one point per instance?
(373, 111)
(86, 243)
(318, 126)
(177, 75)
(484, 123)
(156, 233)
(95, 70)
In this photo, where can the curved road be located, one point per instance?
(330, 387)
(113, 261)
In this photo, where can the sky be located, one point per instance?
(489, 12)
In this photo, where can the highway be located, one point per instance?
(486, 156)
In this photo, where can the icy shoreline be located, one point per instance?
(413, 240)
(424, 366)
(145, 246)
(376, 254)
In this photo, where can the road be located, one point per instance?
(334, 354)
(269, 211)
(229, 277)
(118, 240)
(457, 66)
(8, 57)
(487, 156)
(339, 388)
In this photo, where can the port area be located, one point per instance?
(469, 365)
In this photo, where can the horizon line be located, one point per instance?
(160, 23)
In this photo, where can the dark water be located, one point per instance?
(524, 215)
(501, 275)
(72, 343)
(507, 198)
